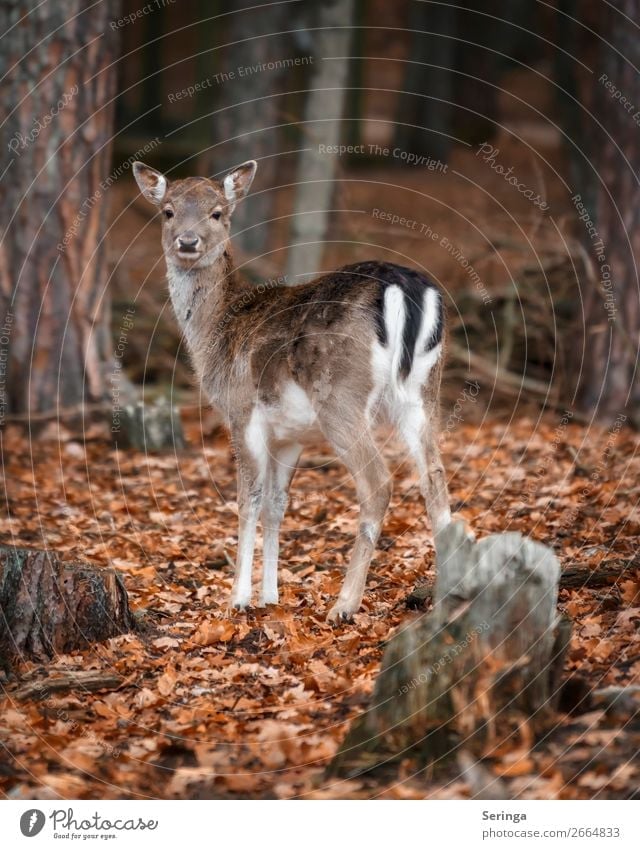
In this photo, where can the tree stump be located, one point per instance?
(154, 427)
(486, 662)
(47, 606)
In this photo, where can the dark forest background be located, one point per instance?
(436, 103)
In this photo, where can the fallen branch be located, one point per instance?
(80, 411)
(86, 682)
(579, 577)
(516, 383)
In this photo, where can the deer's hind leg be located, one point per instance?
(355, 446)
(418, 427)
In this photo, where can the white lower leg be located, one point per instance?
(270, 551)
(241, 594)
(352, 590)
(423, 447)
(280, 472)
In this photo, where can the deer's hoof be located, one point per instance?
(268, 598)
(341, 612)
(239, 603)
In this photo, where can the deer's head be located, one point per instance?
(196, 212)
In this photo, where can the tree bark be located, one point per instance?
(47, 606)
(488, 658)
(322, 127)
(56, 125)
(248, 108)
(610, 383)
(424, 123)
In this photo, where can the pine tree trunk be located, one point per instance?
(56, 126)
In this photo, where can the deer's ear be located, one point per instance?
(238, 182)
(152, 183)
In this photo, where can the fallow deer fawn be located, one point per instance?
(284, 362)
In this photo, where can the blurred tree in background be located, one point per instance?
(247, 106)
(610, 379)
(599, 107)
(229, 82)
(56, 116)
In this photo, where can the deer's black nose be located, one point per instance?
(188, 241)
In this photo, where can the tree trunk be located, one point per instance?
(425, 107)
(322, 128)
(249, 108)
(488, 658)
(47, 606)
(56, 124)
(610, 383)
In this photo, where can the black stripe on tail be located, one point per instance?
(414, 290)
(414, 287)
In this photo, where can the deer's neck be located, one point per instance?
(200, 296)
(203, 301)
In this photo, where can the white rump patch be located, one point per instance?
(389, 389)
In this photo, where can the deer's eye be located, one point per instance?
(216, 215)
(168, 213)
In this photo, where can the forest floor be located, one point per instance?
(255, 705)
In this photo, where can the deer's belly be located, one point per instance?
(292, 419)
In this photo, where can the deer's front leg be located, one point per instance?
(281, 466)
(251, 482)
